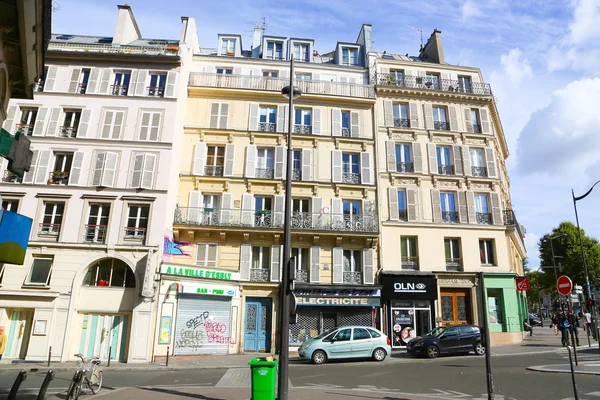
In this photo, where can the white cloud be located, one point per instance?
(470, 10)
(533, 253)
(515, 66)
(586, 22)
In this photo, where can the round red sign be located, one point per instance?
(564, 285)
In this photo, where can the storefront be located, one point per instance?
(506, 308)
(457, 303)
(409, 310)
(323, 308)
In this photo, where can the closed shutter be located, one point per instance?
(365, 168)
(138, 166)
(368, 276)
(245, 260)
(145, 126)
(428, 112)
(414, 115)
(253, 119)
(28, 177)
(93, 81)
(337, 216)
(110, 170)
(148, 171)
(388, 113)
(282, 118)
(390, 151)
(411, 204)
(74, 83)
(199, 158)
(491, 163)
(251, 155)
(317, 212)
(76, 167)
(276, 261)
(195, 201)
(458, 165)
(463, 208)
(317, 120)
(336, 122)
(278, 210)
(338, 265)
(453, 118)
(98, 169)
(471, 207)
(53, 123)
(468, 121)
(229, 160)
(43, 166)
(393, 202)
(84, 123)
(315, 264)
(280, 153)
(466, 159)
(171, 86)
(485, 121)
(436, 206)
(433, 164)
(247, 209)
(336, 166)
(50, 78)
(355, 124)
(132, 83)
(417, 158)
(223, 115)
(118, 124)
(107, 124)
(226, 206)
(155, 126)
(104, 81)
(496, 210)
(10, 118)
(202, 325)
(307, 165)
(140, 85)
(214, 115)
(40, 122)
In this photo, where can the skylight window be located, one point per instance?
(105, 40)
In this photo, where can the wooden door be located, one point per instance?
(455, 307)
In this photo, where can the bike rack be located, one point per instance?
(15, 387)
(49, 377)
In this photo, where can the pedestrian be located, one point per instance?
(554, 323)
(563, 327)
(2, 341)
(527, 327)
(588, 322)
(574, 322)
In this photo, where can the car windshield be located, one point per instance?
(435, 332)
(322, 335)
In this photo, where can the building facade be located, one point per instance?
(103, 126)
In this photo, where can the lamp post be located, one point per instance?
(290, 92)
(585, 267)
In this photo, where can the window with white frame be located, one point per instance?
(301, 261)
(475, 120)
(486, 251)
(70, 123)
(352, 261)
(346, 124)
(445, 161)
(267, 119)
(404, 161)
(396, 77)
(300, 205)
(10, 204)
(215, 160)
(144, 167)
(150, 125)
(482, 211)
(224, 71)
(297, 165)
(440, 122)
(400, 114)
(265, 163)
(121, 83)
(274, 50)
(206, 255)
(349, 56)
(227, 47)
(97, 225)
(112, 124)
(408, 252)
(452, 250)
(105, 169)
(109, 272)
(40, 271)
(261, 258)
(84, 78)
(271, 74)
(62, 168)
(448, 206)
(52, 218)
(464, 84)
(27, 121)
(157, 84)
(301, 52)
(350, 168)
(432, 81)
(402, 210)
(137, 221)
(302, 120)
(303, 76)
(477, 156)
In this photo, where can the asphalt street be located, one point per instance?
(460, 377)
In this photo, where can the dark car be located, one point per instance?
(448, 339)
(535, 320)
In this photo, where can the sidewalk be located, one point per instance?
(542, 341)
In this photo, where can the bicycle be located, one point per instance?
(87, 372)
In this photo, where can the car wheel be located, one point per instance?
(432, 352)
(379, 354)
(479, 349)
(319, 357)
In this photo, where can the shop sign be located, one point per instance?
(344, 292)
(523, 284)
(165, 330)
(409, 287)
(206, 289)
(199, 273)
(338, 301)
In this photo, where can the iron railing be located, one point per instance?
(433, 83)
(454, 264)
(297, 175)
(11, 177)
(59, 178)
(476, 128)
(276, 84)
(201, 216)
(118, 90)
(403, 215)
(168, 50)
(81, 88)
(479, 171)
(401, 123)
(446, 169)
(267, 127)
(303, 129)
(68, 131)
(353, 277)
(213, 170)
(349, 177)
(25, 129)
(264, 173)
(133, 233)
(483, 218)
(411, 263)
(346, 132)
(510, 219)
(450, 216)
(49, 229)
(441, 126)
(156, 91)
(260, 274)
(405, 167)
(94, 233)
(302, 275)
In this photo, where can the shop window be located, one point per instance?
(109, 273)
(495, 306)
(40, 272)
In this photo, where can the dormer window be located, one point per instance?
(274, 50)
(349, 56)
(228, 47)
(301, 52)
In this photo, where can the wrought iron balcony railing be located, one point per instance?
(156, 91)
(49, 229)
(450, 216)
(346, 132)
(264, 173)
(403, 215)
(446, 169)
(213, 170)
(118, 90)
(401, 123)
(25, 129)
(476, 128)
(353, 277)
(133, 233)
(254, 82)
(81, 88)
(58, 178)
(260, 274)
(483, 218)
(454, 264)
(11, 177)
(201, 216)
(67, 131)
(349, 177)
(302, 275)
(95, 233)
(441, 126)
(303, 129)
(38, 86)
(510, 219)
(411, 263)
(405, 167)
(267, 127)
(297, 175)
(162, 49)
(433, 83)
(479, 171)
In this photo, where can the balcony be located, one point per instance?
(483, 218)
(401, 123)
(403, 215)
(253, 82)
(446, 169)
(303, 129)
(411, 263)
(11, 177)
(352, 277)
(476, 128)
(267, 127)
(213, 170)
(59, 178)
(133, 233)
(433, 83)
(162, 49)
(38, 86)
(260, 275)
(155, 91)
(480, 172)
(450, 216)
(510, 219)
(349, 177)
(236, 218)
(405, 167)
(302, 275)
(118, 90)
(67, 131)
(454, 264)
(95, 233)
(346, 132)
(81, 88)
(264, 173)
(297, 175)
(25, 129)
(48, 229)
(441, 126)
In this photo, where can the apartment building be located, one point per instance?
(103, 127)
(221, 292)
(445, 205)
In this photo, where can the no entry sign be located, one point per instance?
(564, 285)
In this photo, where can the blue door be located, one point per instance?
(257, 330)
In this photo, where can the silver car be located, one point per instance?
(347, 342)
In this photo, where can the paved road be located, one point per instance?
(459, 377)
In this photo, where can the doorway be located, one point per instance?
(257, 330)
(455, 306)
(104, 336)
(19, 332)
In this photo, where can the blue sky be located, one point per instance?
(541, 57)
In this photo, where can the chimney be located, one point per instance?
(127, 30)
(433, 48)
(256, 41)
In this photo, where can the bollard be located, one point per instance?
(47, 379)
(573, 374)
(109, 356)
(15, 387)
(49, 355)
(167, 357)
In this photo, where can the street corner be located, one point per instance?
(592, 368)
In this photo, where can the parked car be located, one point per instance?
(447, 340)
(535, 320)
(347, 342)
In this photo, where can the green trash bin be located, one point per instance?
(263, 376)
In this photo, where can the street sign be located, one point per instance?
(564, 285)
(522, 284)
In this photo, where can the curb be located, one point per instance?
(129, 369)
(553, 369)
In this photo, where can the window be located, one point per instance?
(432, 81)
(211, 202)
(300, 205)
(275, 50)
(448, 205)
(302, 120)
(404, 162)
(361, 334)
(477, 162)
(343, 335)
(10, 205)
(444, 159)
(439, 119)
(486, 251)
(267, 119)
(27, 122)
(70, 123)
(346, 123)
(95, 229)
(475, 120)
(297, 165)
(453, 259)
(40, 272)
(350, 168)
(110, 272)
(303, 76)
(105, 169)
(150, 125)
(83, 80)
(301, 52)
(265, 163)
(206, 255)
(401, 118)
(402, 210)
(271, 74)
(157, 85)
(351, 207)
(219, 113)
(301, 259)
(262, 204)
(261, 257)
(227, 47)
(215, 161)
(396, 77)
(495, 309)
(120, 83)
(482, 211)
(352, 261)
(408, 252)
(464, 84)
(137, 222)
(112, 124)
(62, 169)
(224, 71)
(349, 56)
(52, 219)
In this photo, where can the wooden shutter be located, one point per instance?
(278, 210)
(223, 115)
(355, 124)
(104, 81)
(254, 116)
(195, 201)
(491, 163)
(336, 122)
(98, 169)
(10, 118)
(428, 113)
(110, 170)
(336, 166)
(53, 122)
(199, 158)
(453, 118)
(229, 160)
(463, 207)
(432, 152)
(140, 85)
(107, 124)
(245, 259)
(485, 121)
(317, 212)
(315, 264)
(388, 113)
(171, 85)
(155, 122)
(393, 203)
(337, 216)
(414, 114)
(84, 123)
(132, 82)
(201, 253)
(138, 166)
(280, 153)
(307, 165)
(247, 209)
(368, 275)
(338, 265)
(211, 261)
(365, 168)
(458, 165)
(251, 155)
(76, 167)
(276, 261)
(496, 210)
(417, 157)
(50, 78)
(118, 124)
(93, 81)
(40, 121)
(226, 206)
(468, 120)
(466, 158)
(437, 207)
(74, 83)
(281, 118)
(148, 172)
(390, 151)
(30, 175)
(145, 125)
(317, 120)
(411, 204)
(214, 115)
(43, 167)
(471, 207)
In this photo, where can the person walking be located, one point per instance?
(3, 341)
(563, 327)
(555, 323)
(574, 322)
(587, 319)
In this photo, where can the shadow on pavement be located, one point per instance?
(364, 396)
(182, 394)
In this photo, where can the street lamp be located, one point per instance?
(585, 267)
(290, 92)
